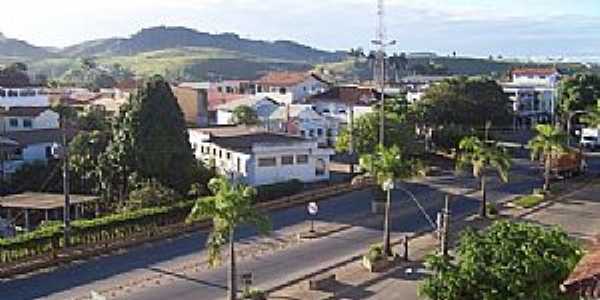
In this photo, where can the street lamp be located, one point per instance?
(571, 115)
(387, 186)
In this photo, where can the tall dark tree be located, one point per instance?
(158, 136)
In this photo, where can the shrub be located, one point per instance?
(492, 209)
(375, 252)
(254, 294)
(150, 194)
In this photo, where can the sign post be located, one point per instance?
(313, 210)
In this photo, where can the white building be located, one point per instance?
(416, 86)
(298, 85)
(344, 102)
(23, 97)
(255, 157)
(303, 121)
(533, 93)
(21, 118)
(264, 107)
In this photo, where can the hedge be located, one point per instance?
(48, 239)
(279, 190)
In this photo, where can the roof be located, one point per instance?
(128, 84)
(585, 279)
(24, 111)
(346, 94)
(195, 85)
(42, 201)
(287, 78)
(535, 71)
(38, 136)
(250, 100)
(242, 138)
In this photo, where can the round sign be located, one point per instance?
(313, 208)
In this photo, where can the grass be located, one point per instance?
(528, 201)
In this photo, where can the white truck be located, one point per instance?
(590, 138)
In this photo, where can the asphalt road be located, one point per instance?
(270, 270)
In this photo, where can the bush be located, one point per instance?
(254, 294)
(279, 190)
(150, 194)
(492, 210)
(375, 252)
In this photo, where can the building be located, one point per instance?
(344, 102)
(264, 107)
(416, 86)
(303, 121)
(533, 93)
(21, 118)
(193, 101)
(584, 281)
(298, 85)
(256, 157)
(33, 96)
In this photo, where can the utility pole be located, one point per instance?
(382, 42)
(445, 227)
(66, 187)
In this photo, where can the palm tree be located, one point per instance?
(548, 141)
(385, 166)
(230, 207)
(482, 157)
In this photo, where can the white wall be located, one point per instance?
(46, 120)
(536, 80)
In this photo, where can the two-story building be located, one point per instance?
(264, 107)
(533, 93)
(298, 85)
(303, 121)
(192, 98)
(256, 157)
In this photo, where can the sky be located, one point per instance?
(469, 27)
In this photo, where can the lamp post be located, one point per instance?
(570, 118)
(387, 186)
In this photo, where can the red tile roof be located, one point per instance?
(535, 71)
(286, 79)
(585, 279)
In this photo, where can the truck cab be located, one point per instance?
(590, 138)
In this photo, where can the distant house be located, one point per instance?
(23, 147)
(216, 94)
(301, 120)
(298, 85)
(193, 101)
(264, 107)
(23, 96)
(256, 157)
(533, 93)
(341, 102)
(21, 118)
(416, 86)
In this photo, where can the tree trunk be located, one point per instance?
(483, 209)
(232, 270)
(547, 166)
(387, 250)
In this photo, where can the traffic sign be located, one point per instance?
(313, 208)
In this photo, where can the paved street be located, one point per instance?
(270, 270)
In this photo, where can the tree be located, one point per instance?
(506, 261)
(94, 118)
(481, 157)
(84, 152)
(592, 118)
(151, 138)
(398, 132)
(579, 92)
(548, 141)
(464, 102)
(244, 115)
(231, 207)
(385, 165)
(15, 75)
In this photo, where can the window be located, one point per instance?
(219, 89)
(311, 133)
(229, 90)
(321, 168)
(320, 132)
(220, 153)
(342, 111)
(228, 155)
(27, 123)
(326, 111)
(302, 159)
(2, 93)
(49, 152)
(302, 133)
(214, 152)
(201, 149)
(14, 122)
(267, 162)
(13, 93)
(287, 160)
(282, 91)
(239, 165)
